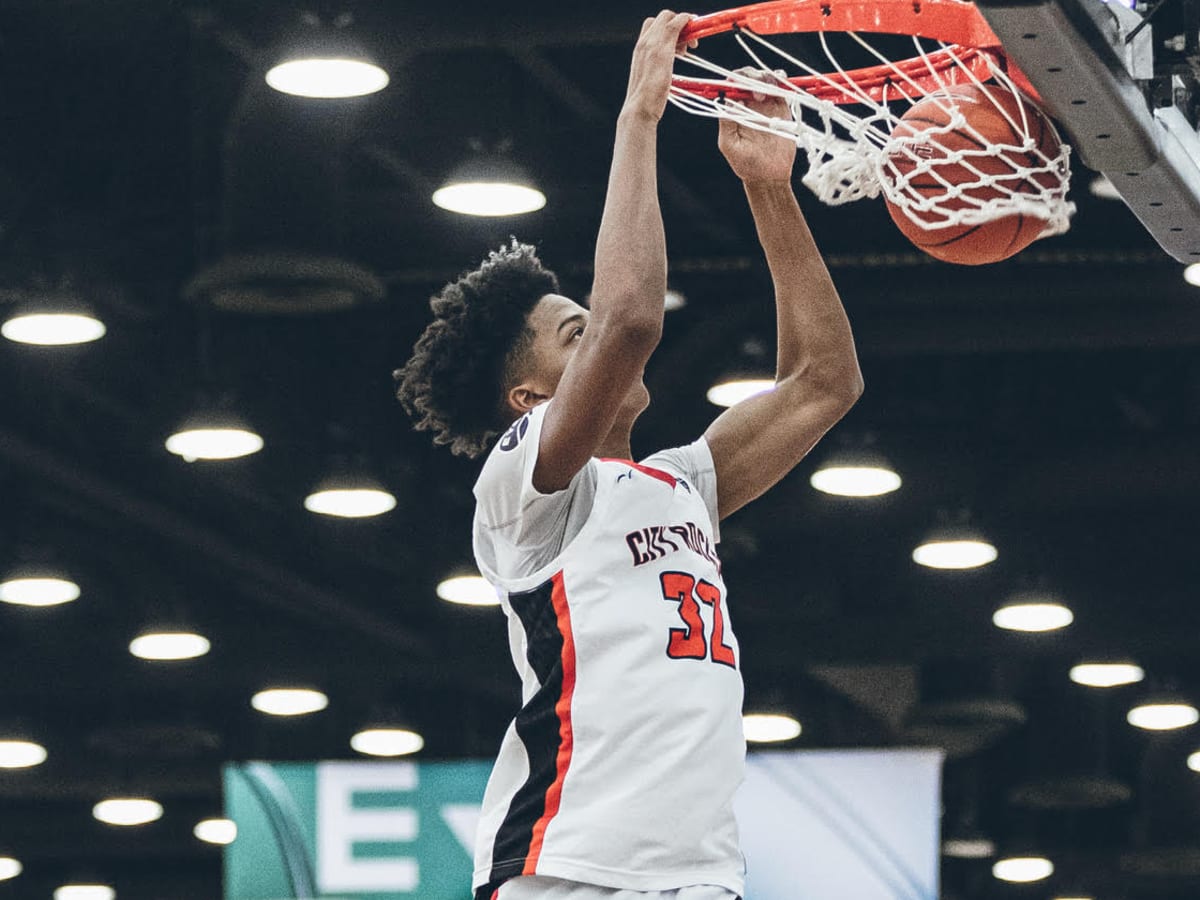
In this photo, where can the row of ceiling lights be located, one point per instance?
(40, 587)
(172, 645)
(486, 186)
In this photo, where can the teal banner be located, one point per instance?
(354, 831)
(859, 824)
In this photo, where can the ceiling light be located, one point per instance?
(734, 390)
(1023, 869)
(15, 754)
(216, 831)
(1104, 675)
(214, 443)
(1194, 761)
(485, 198)
(1032, 615)
(85, 892)
(968, 848)
(41, 589)
(1191, 274)
(169, 645)
(387, 742)
(329, 78)
(766, 728)
(948, 552)
(489, 185)
(1103, 188)
(9, 868)
(855, 475)
(213, 434)
(468, 590)
(289, 701)
(128, 811)
(674, 300)
(1163, 716)
(347, 502)
(53, 329)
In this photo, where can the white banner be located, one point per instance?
(841, 825)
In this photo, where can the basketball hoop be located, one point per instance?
(845, 119)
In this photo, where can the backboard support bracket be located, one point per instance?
(1067, 49)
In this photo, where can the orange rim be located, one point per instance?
(951, 21)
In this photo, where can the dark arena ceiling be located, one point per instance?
(1053, 399)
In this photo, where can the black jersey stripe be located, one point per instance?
(537, 725)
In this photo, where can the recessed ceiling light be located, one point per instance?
(21, 754)
(734, 391)
(128, 811)
(169, 645)
(1194, 761)
(84, 892)
(766, 728)
(1191, 274)
(468, 590)
(216, 831)
(327, 78)
(489, 198)
(1105, 675)
(43, 591)
(387, 742)
(1166, 716)
(855, 480)
(1033, 617)
(1023, 869)
(9, 868)
(214, 443)
(53, 329)
(674, 300)
(350, 503)
(289, 701)
(954, 554)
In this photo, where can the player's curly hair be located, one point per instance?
(463, 364)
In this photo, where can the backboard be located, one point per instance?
(1123, 83)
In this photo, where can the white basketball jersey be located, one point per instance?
(621, 766)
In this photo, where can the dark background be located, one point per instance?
(1054, 399)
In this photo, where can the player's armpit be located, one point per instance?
(758, 441)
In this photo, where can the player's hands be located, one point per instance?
(758, 155)
(653, 60)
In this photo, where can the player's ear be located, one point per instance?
(524, 397)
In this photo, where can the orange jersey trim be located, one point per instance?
(562, 709)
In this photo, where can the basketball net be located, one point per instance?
(845, 124)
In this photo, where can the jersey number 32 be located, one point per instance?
(690, 642)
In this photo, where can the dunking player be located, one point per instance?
(616, 778)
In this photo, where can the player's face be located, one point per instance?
(558, 325)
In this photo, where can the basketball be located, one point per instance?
(986, 124)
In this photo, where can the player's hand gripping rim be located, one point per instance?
(653, 62)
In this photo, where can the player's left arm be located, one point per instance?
(758, 441)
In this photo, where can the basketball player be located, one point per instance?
(615, 780)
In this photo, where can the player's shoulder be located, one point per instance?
(507, 458)
(687, 460)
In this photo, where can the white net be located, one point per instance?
(940, 173)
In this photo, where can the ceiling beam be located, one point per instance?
(277, 586)
(675, 191)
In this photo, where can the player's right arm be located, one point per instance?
(630, 272)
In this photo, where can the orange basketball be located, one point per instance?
(973, 245)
